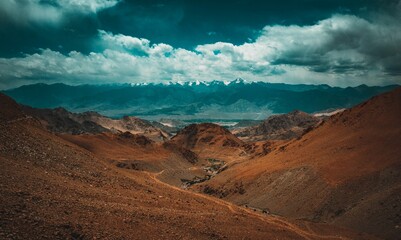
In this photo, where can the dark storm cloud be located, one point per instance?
(345, 44)
(78, 34)
(65, 25)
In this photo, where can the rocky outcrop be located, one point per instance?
(280, 127)
(59, 120)
(196, 135)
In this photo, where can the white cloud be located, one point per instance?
(87, 6)
(123, 43)
(342, 51)
(50, 12)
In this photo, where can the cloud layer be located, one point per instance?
(342, 50)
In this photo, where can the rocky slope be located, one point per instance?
(279, 127)
(347, 172)
(59, 120)
(209, 140)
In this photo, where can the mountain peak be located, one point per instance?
(9, 109)
(195, 136)
(238, 81)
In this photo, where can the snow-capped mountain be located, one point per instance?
(237, 99)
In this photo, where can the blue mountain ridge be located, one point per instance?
(237, 99)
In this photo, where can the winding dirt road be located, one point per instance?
(305, 233)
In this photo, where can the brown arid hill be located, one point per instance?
(279, 127)
(59, 120)
(210, 146)
(345, 172)
(137, 152)
(51, 188)
(195, 153)
(10, 110)
(131, 124)
(210, 140)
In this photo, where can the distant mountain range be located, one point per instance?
(212, 101)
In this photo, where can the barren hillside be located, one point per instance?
(346, 172)
(279, 127)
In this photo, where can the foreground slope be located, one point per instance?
(347, 171)
(53, 189)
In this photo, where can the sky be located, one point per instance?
(334, 42)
